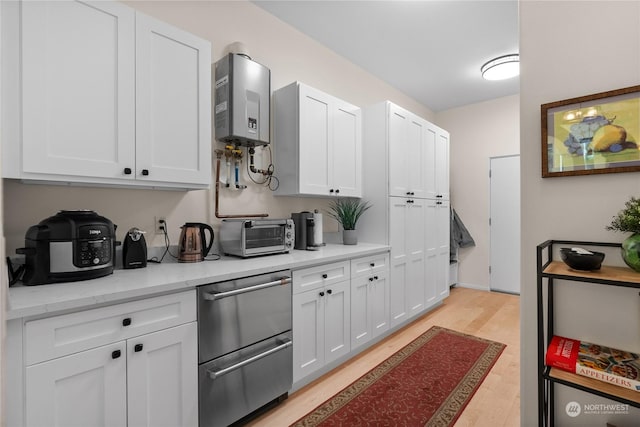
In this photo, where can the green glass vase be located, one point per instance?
(631, 251)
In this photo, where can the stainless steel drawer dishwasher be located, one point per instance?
(244, 346)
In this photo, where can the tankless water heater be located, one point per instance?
(242, 94)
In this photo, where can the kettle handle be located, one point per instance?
(203, 227)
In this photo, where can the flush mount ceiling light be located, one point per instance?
(502, 67)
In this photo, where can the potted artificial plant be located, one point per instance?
(628, 221)
(347, 212)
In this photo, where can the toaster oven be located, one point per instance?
(251, 237)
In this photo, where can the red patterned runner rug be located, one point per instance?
(427, 383)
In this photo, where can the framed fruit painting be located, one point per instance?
(592, 134)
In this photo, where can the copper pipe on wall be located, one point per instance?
(217, 195)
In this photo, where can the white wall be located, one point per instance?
(478, 132)
(288, 53)
(568, 50)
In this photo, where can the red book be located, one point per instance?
(606, 364)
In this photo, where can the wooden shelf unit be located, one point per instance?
(549, 270)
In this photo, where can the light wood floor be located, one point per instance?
(490, 315)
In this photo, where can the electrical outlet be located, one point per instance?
(160, 224)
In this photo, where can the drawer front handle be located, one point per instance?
(324, 276)
(127, 171)
(373, 264)
(321, 294)
(212, 296)
(115, 354)
(126, 321)
(329, 291)
(145, 172)
(213, 374)
(137, 348)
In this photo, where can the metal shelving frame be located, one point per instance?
(545, 280)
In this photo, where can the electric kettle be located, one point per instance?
(193, 245)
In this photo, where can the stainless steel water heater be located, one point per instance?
(242, 94)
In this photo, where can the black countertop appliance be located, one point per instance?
(69, 246)
(134, 249)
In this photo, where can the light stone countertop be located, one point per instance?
(170, 276)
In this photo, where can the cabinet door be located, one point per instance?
(78, 88)
(442, 164)
(443, 221)
(399, 260)
(360, 312)
(162, 377)
(315, 132)
(308, 333)
(379, 303)
(431, 252)
(337, 330)
(346, 150)
(416, 157)
(84, 389)
(415, 249)
(398, 167)
(430, 137)
(173, 104)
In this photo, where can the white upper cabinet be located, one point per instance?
(105, 96)
(173, 104)
(78, 98)
(407, 153)
(317, 142)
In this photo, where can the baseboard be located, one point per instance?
(473, 286)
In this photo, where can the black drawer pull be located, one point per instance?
(337, 191)
(321, 294)
(127, 171)
(375, 277)
(373, 264)
(331, 190)
(145, 172)
(371, 279)
(126, 321)
(329, 291)
(137, 348)
(325, 275)
(115, 354)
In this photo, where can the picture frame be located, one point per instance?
(592, 134)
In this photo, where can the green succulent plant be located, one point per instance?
(348, 211)
(628, 219)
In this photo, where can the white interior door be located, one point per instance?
(504, 229)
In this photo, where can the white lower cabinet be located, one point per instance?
(144, 373)
(321, 322)
(369, 299)
(83, 389)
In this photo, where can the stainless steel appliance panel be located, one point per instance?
(235, 314)
(243, 381)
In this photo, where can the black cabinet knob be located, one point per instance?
(126, 321)
(373, 264)
(127, 171)
(337, 191)
(329, 291)
(324, 276)
(137, 348)
(371, 279)
(331, 190)
(145, 172)
(375, 277)
(115, 354)
(321, 294)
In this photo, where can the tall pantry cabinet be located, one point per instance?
(406, 179)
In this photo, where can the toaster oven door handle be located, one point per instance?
(214, 374)
(212, 296)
